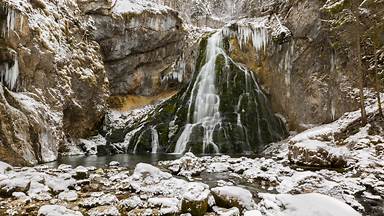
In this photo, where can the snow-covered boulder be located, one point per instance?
(304, 204)
(189, 165)
(69, 196)
(232, 196)
(57, 210)
(131, 203)
(104, 211)
(81, 173)
(99, 199)
(226, 212)
(4, 167)
(195, 199)
(318, 153)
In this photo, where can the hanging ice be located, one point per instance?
(9, 74)
(9, 25)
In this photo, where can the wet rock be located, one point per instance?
(104, 211)
(232, 196)
(318, 154)
(55, 210)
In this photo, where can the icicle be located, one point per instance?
(9, 74)
(9, 25)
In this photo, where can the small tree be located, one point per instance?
(357, 46)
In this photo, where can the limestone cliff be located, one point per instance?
(54, 84)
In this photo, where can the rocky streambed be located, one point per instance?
(209, 185)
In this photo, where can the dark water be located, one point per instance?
(126, 160)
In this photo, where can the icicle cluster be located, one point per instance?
(9, 74)
(254, 32)
(9, 24)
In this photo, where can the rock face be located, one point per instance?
(223, 109)
(53, 85)
(307, 71)
(140, 42)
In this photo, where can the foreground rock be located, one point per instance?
(231, 196)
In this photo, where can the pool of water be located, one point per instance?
(126, 160)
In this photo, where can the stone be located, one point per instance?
(114, 164)
(226, 212)
(81, 173)
(104, 211)
(195, 199)
(317, 154)
(69, 196)
(131, 203)
(99, 199)
(233, 196)
(55, 210)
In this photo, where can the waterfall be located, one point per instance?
(207, 102)
(223, 109)
(204, 102)
(155, 140)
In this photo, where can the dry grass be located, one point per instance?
(130, 102)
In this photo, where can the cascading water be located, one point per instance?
(206, 101)
(222, 110)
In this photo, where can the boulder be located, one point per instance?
(317, 154)
(55, 210)
(232, 196)
(104, 211)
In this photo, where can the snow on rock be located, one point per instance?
(81, 173)
(252, 213)
(114, 164)
(304, 204)
(196, 198)
(90, 145)
(226, 212)
(99, 199)
(57, 210)
(131, 203)
(318, 154)
(189, 165)
(68, 196)
(4, 167)
(232, 196)
(104, 211)
(137, 7)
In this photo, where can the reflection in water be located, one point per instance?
(126, 160)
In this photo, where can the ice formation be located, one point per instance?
(9, 74)
(9, 25)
